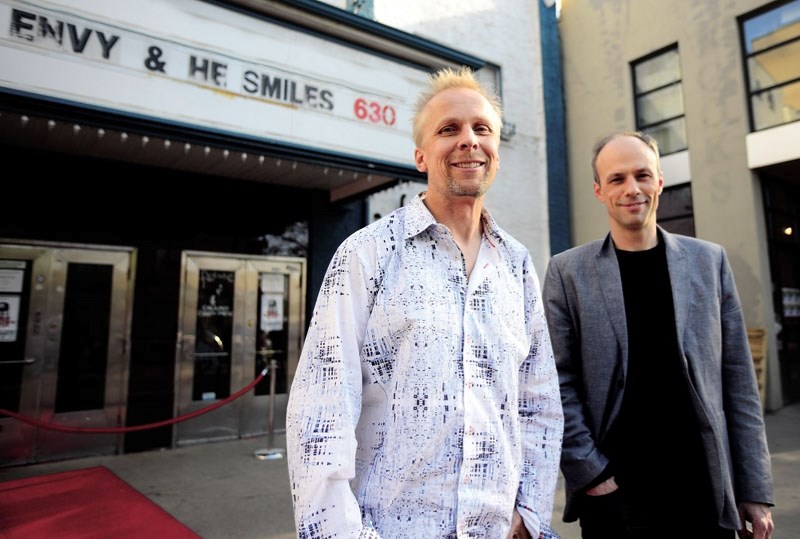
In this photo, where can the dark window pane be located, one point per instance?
(212, 355)
(273, 332)
(783, 227)
(675, 200)
(683, 226)
(83, 354)
(675, 210)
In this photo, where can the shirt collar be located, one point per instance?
(419, 218)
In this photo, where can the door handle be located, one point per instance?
(26, 361)
(269, 352)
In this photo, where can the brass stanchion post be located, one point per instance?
(271, 452)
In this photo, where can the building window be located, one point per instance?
(771, 49)
(491, 75)
(361, 7)
(675, 210)
(658, 94)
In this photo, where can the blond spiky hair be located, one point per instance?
(445, 79)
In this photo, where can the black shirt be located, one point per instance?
(654, 444)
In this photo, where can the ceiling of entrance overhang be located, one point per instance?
(48, 134)
(788, 171)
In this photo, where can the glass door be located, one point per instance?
(278, 304)
(237, 316)
(64, 333)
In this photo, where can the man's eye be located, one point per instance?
(446, 130)
(483, 129)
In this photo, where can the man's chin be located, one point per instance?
(473, 190)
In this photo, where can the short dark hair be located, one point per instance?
(644, 137)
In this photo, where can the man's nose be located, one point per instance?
(631, 186)
(468, 140)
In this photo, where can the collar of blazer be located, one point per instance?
(680, 274)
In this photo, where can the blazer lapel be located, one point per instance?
(607, 269)
(679, 277)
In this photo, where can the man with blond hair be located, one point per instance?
(426, 403)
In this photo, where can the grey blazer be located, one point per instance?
(585, 311)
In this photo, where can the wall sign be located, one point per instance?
(196, 63)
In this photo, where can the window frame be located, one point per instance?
(637, 96)
(747, 56)
(364, 8)
(669, 213)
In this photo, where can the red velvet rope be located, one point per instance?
(111, 430)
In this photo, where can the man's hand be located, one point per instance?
(518, 529)
(759, 517)
(606, 487)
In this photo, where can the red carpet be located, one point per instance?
(92, 503)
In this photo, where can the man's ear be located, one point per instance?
(419, 160)
(597, 194)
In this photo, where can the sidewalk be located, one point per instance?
(222, 491)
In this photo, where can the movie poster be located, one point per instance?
(9, 318)
(271, 312)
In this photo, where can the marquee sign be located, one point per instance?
(198, 64)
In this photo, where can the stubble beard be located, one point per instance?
(475, 191)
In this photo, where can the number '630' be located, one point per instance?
(374, 112)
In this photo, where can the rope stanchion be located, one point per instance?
(271, 452)
(135, 428)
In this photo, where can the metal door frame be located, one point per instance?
(247, 416)
(256, 410)
(49, 262)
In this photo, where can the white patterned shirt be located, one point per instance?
(425, 404)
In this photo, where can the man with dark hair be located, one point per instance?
(663, 434)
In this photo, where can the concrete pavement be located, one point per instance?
(222, 491)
